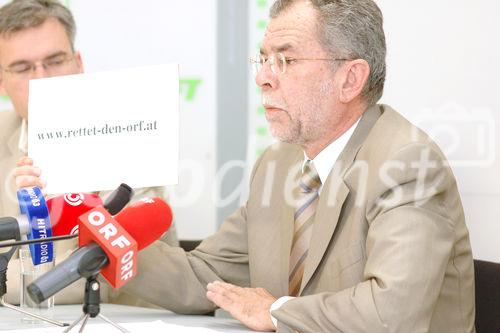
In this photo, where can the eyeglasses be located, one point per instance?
(53, 66)
(279, 62)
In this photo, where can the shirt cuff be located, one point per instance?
(276, 305)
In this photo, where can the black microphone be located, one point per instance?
(118, 199)
(9, 229)
(13, 228)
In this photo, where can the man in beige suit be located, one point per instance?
(36, 41)
(387, 247)
(353, 222)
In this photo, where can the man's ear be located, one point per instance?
(79, 62)
(356, 73)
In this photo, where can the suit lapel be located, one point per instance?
(286, 232)
(293, 171)
(334, 194)
(13, 142)
(8, 160)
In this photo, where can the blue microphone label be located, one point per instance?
(33, 205)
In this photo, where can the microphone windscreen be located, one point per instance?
(65, 209)
(146, 220)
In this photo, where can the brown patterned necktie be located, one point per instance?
(307, 199)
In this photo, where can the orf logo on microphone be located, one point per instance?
(121, 249)
(74, 199)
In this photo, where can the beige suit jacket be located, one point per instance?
(390, 251)
(10, 130)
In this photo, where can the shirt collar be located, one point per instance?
(325, 160)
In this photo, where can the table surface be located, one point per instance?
(11, 320)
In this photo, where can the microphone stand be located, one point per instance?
(116, 201)
(9, 229)
(91, 306)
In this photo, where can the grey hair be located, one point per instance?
(18, 15)
(351, 29)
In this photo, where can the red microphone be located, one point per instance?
(107, 245)
(146, 220)
(121, 237)
(65, 209)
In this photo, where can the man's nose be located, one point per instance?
(265, 78)
(38, 71)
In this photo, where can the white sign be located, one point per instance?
(91, 132)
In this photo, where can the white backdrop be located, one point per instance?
(442, 72)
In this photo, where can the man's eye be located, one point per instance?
(54, 62)
(20, 68)
(290, 60)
